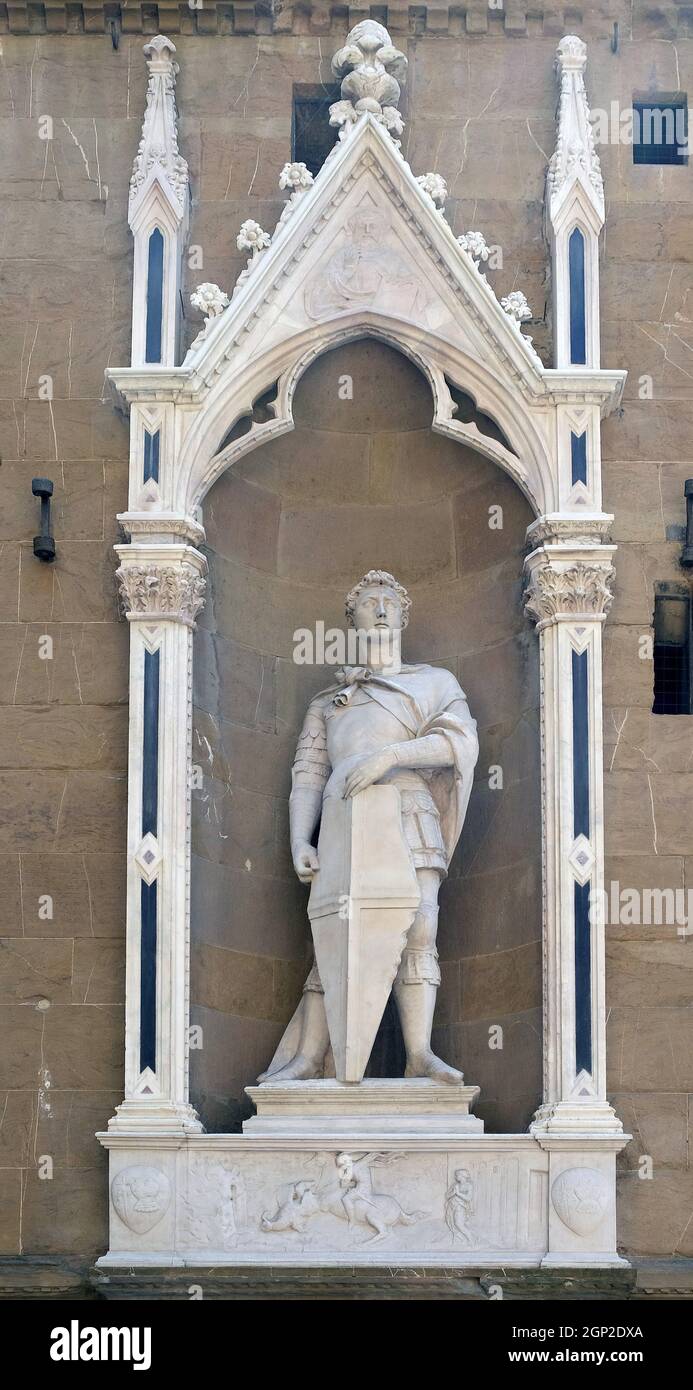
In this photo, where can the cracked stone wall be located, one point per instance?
(480, 109)
(290, 530)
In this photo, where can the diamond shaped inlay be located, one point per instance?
(581, 859)
(148, 858)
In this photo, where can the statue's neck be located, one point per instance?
(383, 657)
(386, 668)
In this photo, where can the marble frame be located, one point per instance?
(449, 322)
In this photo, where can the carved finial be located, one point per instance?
(575, 156)
(372, 73)
(158, 156)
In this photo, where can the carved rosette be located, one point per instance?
(157, 592)
(563, 593)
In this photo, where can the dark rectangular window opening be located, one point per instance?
(660, 129)
(312, 136)
(673, 653)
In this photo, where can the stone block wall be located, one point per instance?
(480, 109)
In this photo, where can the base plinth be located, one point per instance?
(374, 1108)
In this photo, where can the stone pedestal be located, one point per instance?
(374, 1109)
(387, 1172)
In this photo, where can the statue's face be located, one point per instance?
(378, 609)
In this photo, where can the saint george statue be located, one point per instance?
(383, 723)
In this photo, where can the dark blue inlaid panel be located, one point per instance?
(148, 901)
(148, 977)
(155, 297)
(576, 271)
(150, 754)
(581, 826)
(581, 750)
(583, 980)
(151, 456)
(578, 458)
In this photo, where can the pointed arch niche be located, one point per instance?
(289, 527)
(250, 451)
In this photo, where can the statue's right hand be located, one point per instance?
(305, 862)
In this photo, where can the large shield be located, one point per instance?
(362, 903)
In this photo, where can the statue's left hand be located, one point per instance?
(369, 771)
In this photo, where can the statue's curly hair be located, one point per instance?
(368, 581)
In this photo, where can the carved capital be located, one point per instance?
(577, 590)
(156, 591)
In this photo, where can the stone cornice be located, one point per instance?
(315, 17)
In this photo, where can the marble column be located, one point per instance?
(162, 585)
(570, 571)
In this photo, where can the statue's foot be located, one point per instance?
(300, 1068)
(427, 1064)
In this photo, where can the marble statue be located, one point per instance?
(382, 723)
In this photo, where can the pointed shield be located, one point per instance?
(362, 903)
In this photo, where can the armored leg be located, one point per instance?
(416, 986)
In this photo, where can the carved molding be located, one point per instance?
(312, 16)
(158, 147)
(578, 590)
(589, 530)
(160, 591)
(154, 525)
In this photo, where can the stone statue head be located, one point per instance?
(378, 602)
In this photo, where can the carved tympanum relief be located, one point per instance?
(366, 272)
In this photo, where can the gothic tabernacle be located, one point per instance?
(337, 1163)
